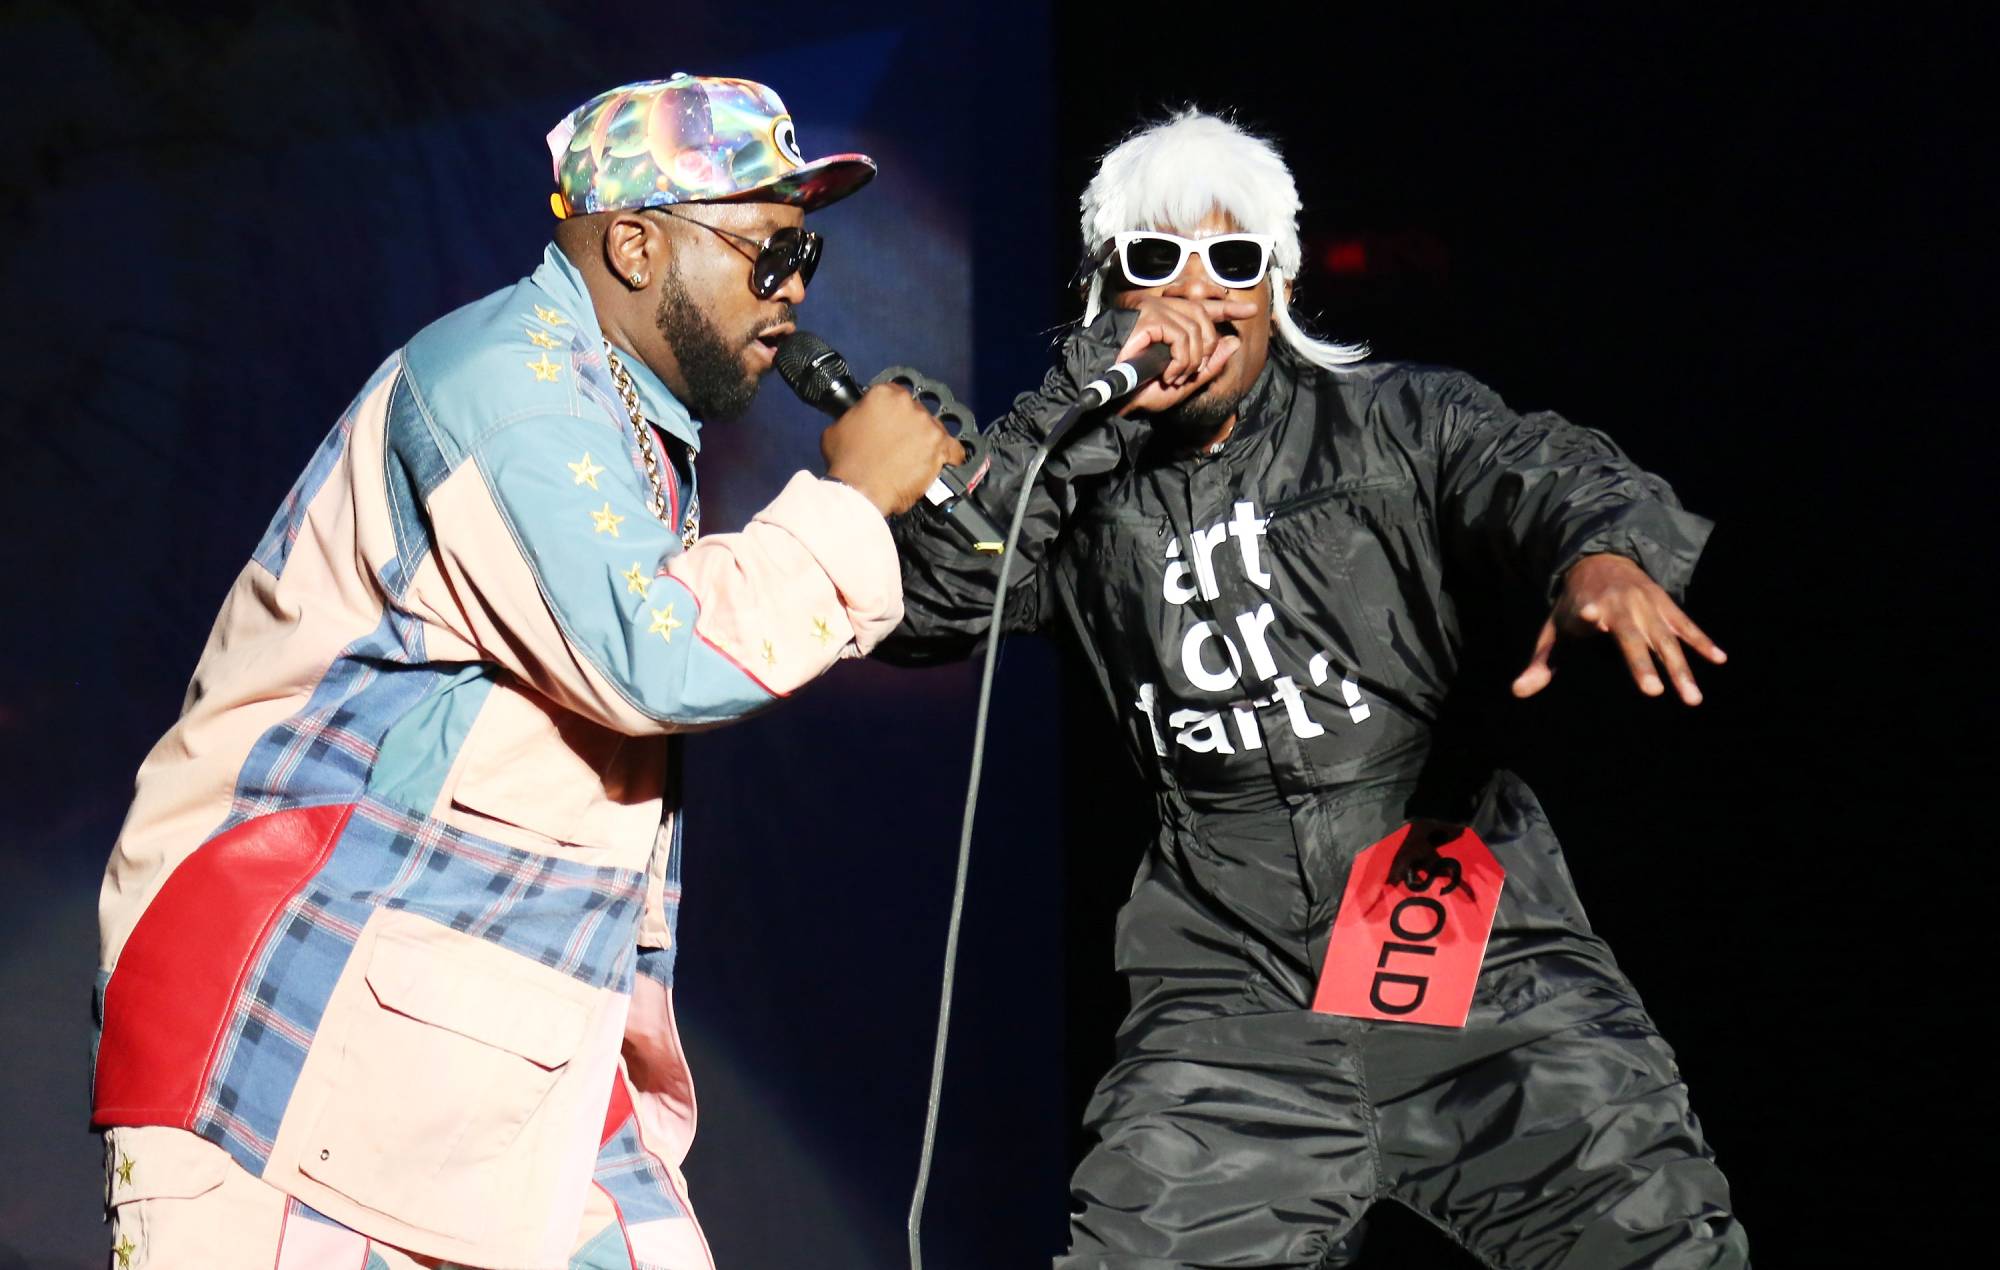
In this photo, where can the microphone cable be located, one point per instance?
(993, 635)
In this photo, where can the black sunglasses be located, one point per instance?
(789, 251)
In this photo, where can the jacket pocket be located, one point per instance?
(1345, 488)
(1368, 542)
(445, 1068)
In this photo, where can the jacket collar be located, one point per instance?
(560, 281)
(1270, 395)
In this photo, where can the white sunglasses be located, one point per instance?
(1150, 258)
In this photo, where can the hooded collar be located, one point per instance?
(559, 279)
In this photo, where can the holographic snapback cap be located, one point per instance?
(690, 139)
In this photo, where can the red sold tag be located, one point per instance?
(1409, 951)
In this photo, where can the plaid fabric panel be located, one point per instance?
(577, 920)
(325, 752)
(634, 1178)
(276, 545)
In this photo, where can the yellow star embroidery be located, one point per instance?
(542, 339)
(821, 631)
(606, 521)
(770, 654)
(664, 623)
(124, 1169)
(586, 472)
(545, 370)
(636, 580)
(550, 317)
(124, 1250)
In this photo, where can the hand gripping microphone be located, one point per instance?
(1124, 377)
(821, 378)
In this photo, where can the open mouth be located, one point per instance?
(765, 343)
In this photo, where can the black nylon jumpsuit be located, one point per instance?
(1274, 628)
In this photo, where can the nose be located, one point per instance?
(792, 290)
(1193, 283)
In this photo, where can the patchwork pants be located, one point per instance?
(179, 1202)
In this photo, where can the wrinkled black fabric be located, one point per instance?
(1237, 1127)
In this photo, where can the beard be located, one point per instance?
(719, 389)
(1192, 421)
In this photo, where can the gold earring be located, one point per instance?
(638, 280)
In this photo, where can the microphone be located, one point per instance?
(811, 368)
(1124, 377)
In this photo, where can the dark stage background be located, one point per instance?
(1751, 247)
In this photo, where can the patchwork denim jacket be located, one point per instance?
(400, 885)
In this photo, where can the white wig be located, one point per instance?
(1170, 175)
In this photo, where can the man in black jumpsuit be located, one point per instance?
(1256, 558)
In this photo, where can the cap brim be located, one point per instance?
(813, 186)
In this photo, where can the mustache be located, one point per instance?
(787, 312)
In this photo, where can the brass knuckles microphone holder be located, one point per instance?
(950, 492)
(936, 396)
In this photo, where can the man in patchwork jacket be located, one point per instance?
(388, 935)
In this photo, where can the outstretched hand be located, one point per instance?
(1613, 595)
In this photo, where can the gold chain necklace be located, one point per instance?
(691, 523)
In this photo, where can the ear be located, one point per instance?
(634, 247)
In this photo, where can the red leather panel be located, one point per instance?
(178, 978)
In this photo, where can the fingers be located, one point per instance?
(1188, 328)
(1638, 658)
(1188, 339)
(1218, 357)
(1667, 648)
(1684, 628)
(1161, 395)
(1651, 616)
(1608, 594)
(888, 389)
(1143, 336)
(1644, 638)
(1197, 339)
(950, 452)
(1671, 627)
(945, 447)
(1229, 310)
(1537, 674)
